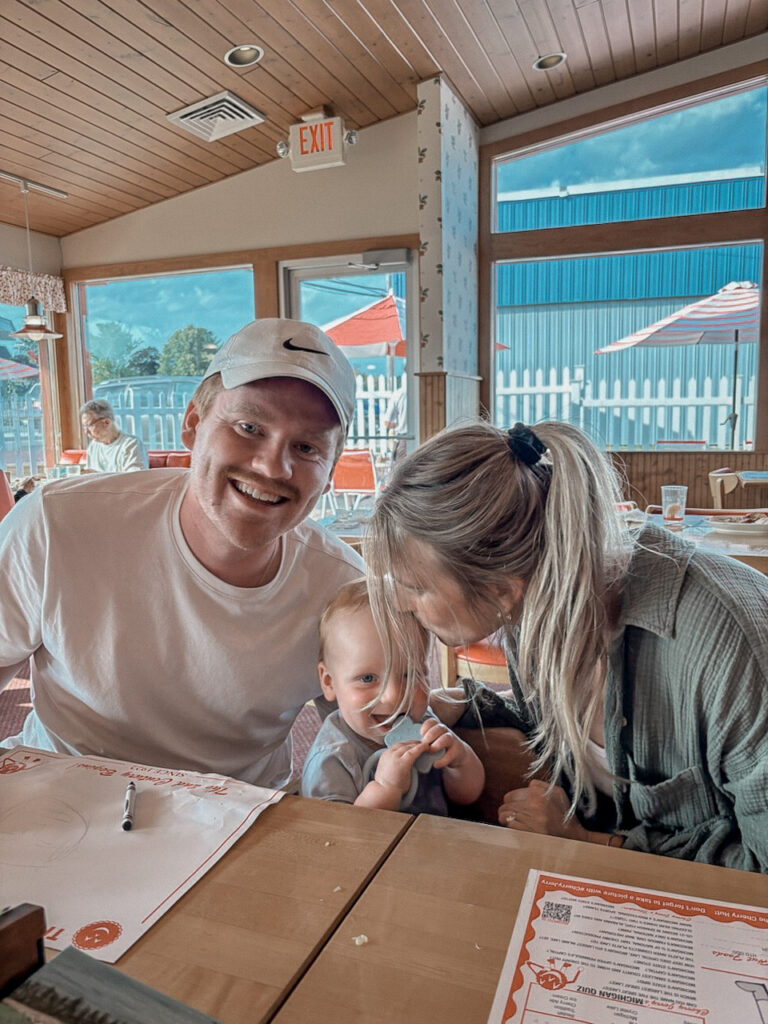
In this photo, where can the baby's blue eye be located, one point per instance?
(368, 678)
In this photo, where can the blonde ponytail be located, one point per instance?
(489, 517)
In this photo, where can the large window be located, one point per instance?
(609, 223)
(148, 340)
(704, 157)
(22, 446)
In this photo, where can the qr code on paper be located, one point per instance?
(560, 912)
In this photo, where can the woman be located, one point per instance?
(638, 665)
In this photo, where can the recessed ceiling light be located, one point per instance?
(549, 61)
(243, 56)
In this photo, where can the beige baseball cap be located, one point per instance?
(272, 347)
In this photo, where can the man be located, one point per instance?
(172, 614)
(396, 420)
(109, 450)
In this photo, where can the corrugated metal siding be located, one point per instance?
(631, 204)
(679, 274)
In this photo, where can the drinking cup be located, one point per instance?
(673, 497)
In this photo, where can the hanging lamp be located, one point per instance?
(35, 325)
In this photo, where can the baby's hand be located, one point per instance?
(395, 764)
(438, 737)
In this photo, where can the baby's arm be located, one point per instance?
(393, 777)
(463, 772)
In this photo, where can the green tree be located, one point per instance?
(106, 369)
(188, 352)
(144, 362)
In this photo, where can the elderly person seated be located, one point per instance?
(109, 449)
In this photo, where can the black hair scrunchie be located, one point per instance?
(524, 444)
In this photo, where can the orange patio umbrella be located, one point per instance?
(374, 330)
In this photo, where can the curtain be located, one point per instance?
(17, 287)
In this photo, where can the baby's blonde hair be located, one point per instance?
(402, 633)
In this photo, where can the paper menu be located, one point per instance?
(62, 845)
(609, 954)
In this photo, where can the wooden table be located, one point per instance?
(237, 942)
(440, 912)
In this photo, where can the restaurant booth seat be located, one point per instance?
(6, 496)
(159, 460)
(72, 457)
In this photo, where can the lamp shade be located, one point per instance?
(35, 325)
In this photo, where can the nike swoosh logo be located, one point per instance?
(299, 348)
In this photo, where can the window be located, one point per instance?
(609, 224)
(22, 445)
(362, 302)
(148, 340)
(554, 317)
(663, 166)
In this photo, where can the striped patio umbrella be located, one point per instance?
(11, 370)
(729, 317)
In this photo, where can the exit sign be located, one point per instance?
(317, 144)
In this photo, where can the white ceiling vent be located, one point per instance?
(217, 116)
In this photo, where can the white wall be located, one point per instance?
(46, 250)
(374, 194)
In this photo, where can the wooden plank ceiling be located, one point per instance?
(86, 84)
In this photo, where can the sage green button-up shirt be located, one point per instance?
(686, 706)
(686, 711)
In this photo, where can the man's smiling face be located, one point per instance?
(263, 454)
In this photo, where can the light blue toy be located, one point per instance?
(402, 731)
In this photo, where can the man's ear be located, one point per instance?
(189, 426)
(326, 682)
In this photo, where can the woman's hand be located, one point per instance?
(537, 808)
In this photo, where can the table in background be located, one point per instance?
(439, 916)
(236, 943)
(348, 526)
(750, 550)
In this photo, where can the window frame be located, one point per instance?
(694, 231)
(264, 263)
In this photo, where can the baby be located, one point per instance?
(350, 760)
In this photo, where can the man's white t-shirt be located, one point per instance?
(141, 654)
(124, 455)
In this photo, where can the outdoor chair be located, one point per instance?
(483, 660)
(354, 477)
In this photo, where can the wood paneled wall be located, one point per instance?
(445, 398)
(645, 473)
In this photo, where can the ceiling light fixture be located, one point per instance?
(244, 56)
(35, 325)
(549, 61)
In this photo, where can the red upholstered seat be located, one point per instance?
(72, 457)
(158, 459)
(6, 496)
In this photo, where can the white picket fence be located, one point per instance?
(630, 414)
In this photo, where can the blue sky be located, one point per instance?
(221, 300)
(723, 134)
